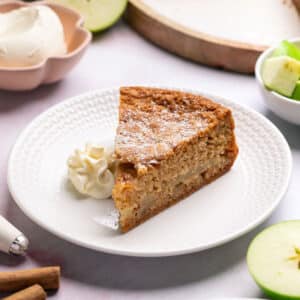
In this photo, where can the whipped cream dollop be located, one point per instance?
(92, 171)
(29, 35)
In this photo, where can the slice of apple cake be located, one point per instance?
(168, 145)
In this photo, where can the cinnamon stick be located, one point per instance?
(34, 292)
(47, 277)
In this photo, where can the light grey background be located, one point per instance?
(121, 57)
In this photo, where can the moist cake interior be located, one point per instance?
(168, 145)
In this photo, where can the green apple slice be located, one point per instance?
(296, 93)
(274, 260)
(98, 14)
(286, 48)
(280, 74)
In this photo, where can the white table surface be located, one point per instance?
(122, 57)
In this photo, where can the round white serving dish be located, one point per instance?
(282, 106)
(214, 215)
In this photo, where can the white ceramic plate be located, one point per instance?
(216, 214)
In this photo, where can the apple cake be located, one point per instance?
(168, 145)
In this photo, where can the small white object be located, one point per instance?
(111, 220)
(217, 213)
(12, 241)
(286, 108)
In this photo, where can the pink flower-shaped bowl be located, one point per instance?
(54, 68)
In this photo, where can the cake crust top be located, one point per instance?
(153, 122)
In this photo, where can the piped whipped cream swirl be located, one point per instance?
(91, 171)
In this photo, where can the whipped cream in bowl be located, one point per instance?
(91, 171)
(29, 35)
(40, 43)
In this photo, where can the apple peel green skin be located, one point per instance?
(287, 48)
(279, 264)
(275, 296)
(296, 93)
(98, 14)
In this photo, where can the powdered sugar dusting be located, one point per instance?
(148, 130)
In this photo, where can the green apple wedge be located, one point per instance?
(98, 14)
(286, 48)
(274, 260)
(296, 93)
(281, 74)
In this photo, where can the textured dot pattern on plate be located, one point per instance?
(217, 213)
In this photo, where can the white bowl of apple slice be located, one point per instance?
(277, 71)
